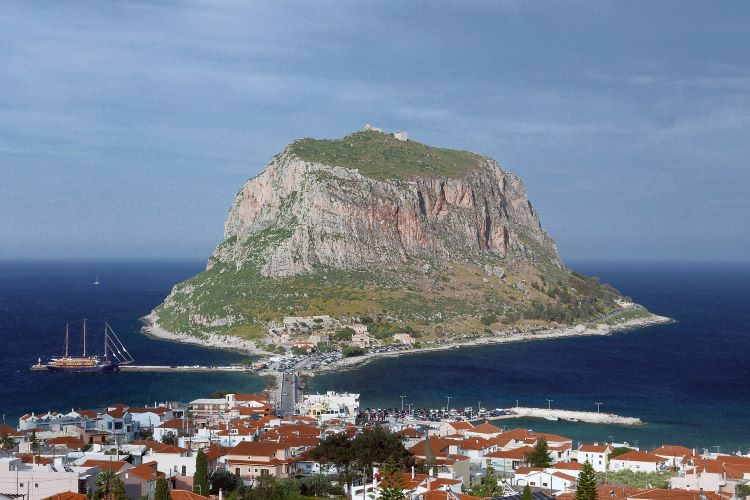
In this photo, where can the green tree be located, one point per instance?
(224, 480)
(378, 446)
(109, 486)
(298, 351)
(344, 334)
(162, 490)
(586, 488)
(169, 438)
(539, 456)
(200, 478)
(742, 490)
(34, 442)
(319, 486)
(526, 495)
(392, 486)
(429, 456)
(488, 487)
(7, 443)
(268, 488)
(337, 450)
(352, 351)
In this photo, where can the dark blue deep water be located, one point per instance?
(690, 381)
(38, 298)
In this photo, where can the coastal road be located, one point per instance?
(288, 394)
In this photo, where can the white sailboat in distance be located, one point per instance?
(96, 281)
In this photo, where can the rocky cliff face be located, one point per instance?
(417, 236)
(299, 216)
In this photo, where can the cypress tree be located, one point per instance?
(200, 479)
(526, 495)
(539, 456)
(392, 485)
(162, 490)
(586, 487)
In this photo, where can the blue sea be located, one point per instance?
(38, 298)
(689, 381)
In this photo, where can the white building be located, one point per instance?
(35, 482)
(329, 405)
(558, 482)
(637, 461)
(596, 454)
(404, 338)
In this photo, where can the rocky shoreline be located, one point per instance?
(502, 338)
(152, 329)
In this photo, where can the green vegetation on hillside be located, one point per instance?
(381, 156)
(636, 479)
(441, 303)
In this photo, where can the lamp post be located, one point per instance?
(598, 407)
(549, 404)
(402, 402)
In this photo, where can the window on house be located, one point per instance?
(264, 473)
(237, 471)
(20, 485)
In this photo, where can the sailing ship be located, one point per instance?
(96, 281)
(115, 355)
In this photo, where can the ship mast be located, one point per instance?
(105, 340)
(84, 338)
(67, 328)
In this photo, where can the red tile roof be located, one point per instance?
(594, 448)
(67, 495)
(10, 431)
(186, 495)
(639, 456)
(146, 472)
(486, 428)
(115, 465)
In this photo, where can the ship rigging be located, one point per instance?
(115, 355)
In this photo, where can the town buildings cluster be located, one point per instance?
(60, 455)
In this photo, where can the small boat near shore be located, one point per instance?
(115, 355)
(551, 418)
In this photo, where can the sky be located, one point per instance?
(126, 128)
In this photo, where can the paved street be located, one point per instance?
(288, 394)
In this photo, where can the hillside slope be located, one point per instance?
(437, 241)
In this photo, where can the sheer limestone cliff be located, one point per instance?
(434, 240)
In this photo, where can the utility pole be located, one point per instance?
(598, 407)
(402, 402)
(549, 404)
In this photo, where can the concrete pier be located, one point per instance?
(590, 417)
(168, 368)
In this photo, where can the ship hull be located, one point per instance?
(85, 369)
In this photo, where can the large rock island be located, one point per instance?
(400, 235)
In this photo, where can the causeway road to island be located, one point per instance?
(288, 394)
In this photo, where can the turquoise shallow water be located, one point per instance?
(690, 381)
(37, 298)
